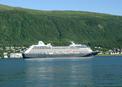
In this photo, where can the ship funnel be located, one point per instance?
(41, 43)
(72, 43)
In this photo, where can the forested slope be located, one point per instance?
(24, 27)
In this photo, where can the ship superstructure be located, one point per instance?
(47, 50)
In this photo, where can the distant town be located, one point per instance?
(109, 52)
(12, 52)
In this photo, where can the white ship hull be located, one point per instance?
(43, 51)
(58, 55)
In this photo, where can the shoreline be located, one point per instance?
(109, 55)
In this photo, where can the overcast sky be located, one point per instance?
(101, 6)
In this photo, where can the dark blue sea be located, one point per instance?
(62, 72)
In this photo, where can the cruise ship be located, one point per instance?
(42, 50)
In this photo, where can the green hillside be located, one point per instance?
(23, 27)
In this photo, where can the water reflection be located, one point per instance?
(94, 72)
(59, 73)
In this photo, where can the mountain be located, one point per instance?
(24, 27)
